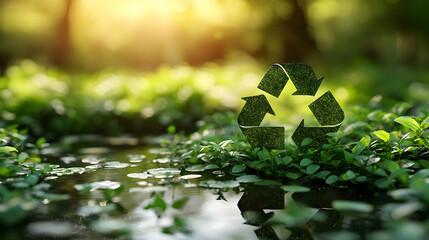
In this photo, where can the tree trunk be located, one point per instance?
(62, 42)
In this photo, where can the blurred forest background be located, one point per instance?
(137, 66)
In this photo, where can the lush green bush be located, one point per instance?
(52, 103)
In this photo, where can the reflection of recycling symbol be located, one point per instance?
(326, 109)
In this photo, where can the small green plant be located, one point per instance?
(157, 204)
(21, 176)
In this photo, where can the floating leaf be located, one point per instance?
(221, 184)
(88, 210)
(164, 171)
(249, 179)
(92, 160)
(295, 188)
(211, 166)
(115, 164)
(110, 185)
(138, 175)
(111, 226)
(52, 229)
(148, 189)
(195, 168)
(342, 205)
(190, 176)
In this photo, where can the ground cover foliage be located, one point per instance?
(21, 174)
(379, 152)
(384, 149)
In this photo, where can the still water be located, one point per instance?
(212, 210)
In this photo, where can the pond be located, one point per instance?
(137, 192)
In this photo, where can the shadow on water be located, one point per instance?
(257, 201)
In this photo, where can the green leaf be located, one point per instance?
(295, 188)
(348, 156)
(306, 141)
(22, 157)
(380, 172)
(248, 179)
(312, 168)
(7, 149)
(264, 155)
(358, 149)
(211, 166)
(361, 178)
(349, 175)
(195, 168)
(383, 135)
(400, 173)
(383, 182)
(332, 179)
(157, 203)
(284, 161)
(305, 162)
(391, 166)
(408, 122)
(171, 129)
(355, 206)
(40, 142)
(4, 171)
(293, 175)
(225, 143)
(221, 184)
(238, 168)
(425, 123)
(322, 174)
(32, 179)
(267, 183)
(366, 140)
(179, 204)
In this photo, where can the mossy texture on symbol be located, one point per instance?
(326, 109)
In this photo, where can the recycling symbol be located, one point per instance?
(325, 108)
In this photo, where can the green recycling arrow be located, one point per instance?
(326, 109)
(254, 110)
(252, 115)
